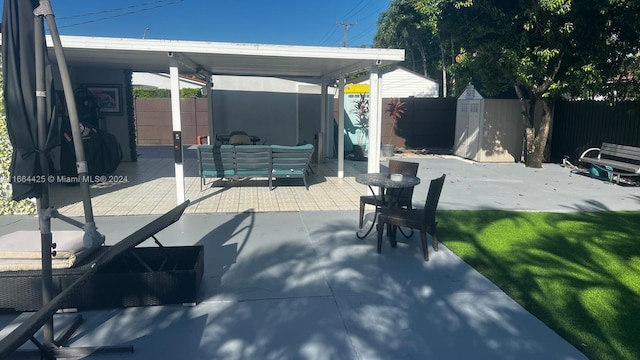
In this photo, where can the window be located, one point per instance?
(470, 92)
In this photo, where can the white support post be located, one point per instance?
(176, 123)
(323, 121)
(341, 127)
(212, 129)
(375, 123)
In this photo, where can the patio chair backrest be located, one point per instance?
(216, 160)
(290, 159)
(435, 189)
(253, 160)
(404, 168)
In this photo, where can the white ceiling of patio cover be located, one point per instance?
(149, 55)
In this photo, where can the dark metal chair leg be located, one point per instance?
(380, 228)
(434, 235)
(375, 218)
(425, 249)
(391, 233)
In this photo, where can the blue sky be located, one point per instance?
(287, 22)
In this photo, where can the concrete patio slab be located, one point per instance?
(300, 285)
(286, 278)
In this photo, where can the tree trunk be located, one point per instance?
(444, 73)
(423, 59)
(537, 141)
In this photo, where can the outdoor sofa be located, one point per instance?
(241, 161)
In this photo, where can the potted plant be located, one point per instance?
(395, 110)
(361, 110)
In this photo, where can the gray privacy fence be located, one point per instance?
(579, 125)
(153, 120)
(427, 123)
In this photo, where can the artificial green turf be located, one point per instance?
(577, 272)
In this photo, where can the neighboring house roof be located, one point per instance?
(400, 82)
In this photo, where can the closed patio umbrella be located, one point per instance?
(19, 74)
(32, 125)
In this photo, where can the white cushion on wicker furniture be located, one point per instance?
(21, 250)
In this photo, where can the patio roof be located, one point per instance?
(150, 55)
(208, 58)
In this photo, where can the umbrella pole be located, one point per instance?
(81, 164)
(91, 234)
(46, 237)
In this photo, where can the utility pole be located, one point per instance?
(346, 29)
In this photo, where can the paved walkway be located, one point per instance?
(298, 284)
(148, 187)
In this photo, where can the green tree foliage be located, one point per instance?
(7, 205)
(361, 111)
(402, 26)
(165, 93)
(544, 49)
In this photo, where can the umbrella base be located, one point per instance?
(55, 351)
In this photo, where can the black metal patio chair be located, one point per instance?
(423, 220)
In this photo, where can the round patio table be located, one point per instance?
(383, 182)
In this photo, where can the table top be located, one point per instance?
(227, 137)
(383, 180)
(224, 139)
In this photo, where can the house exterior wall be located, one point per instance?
(400, 83)
(309, 122)
(279, 111)
(272, 116)
(114, 123)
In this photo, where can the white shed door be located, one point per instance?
(473, 130)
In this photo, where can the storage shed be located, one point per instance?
(488, 130)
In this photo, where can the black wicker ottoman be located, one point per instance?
(131, 276)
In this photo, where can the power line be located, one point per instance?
(365, 31)
(346, 30)
(327, 35)
(117, 15)
(373, 28)
(111, 10)
(378, 11)
(355, 7)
